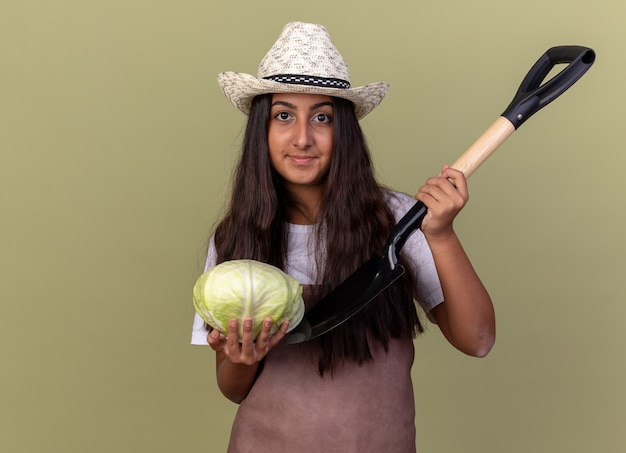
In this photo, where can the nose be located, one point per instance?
(302, 135)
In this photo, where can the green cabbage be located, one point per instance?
(246, 288)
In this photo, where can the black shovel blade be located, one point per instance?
(347, 299)
(360, 288)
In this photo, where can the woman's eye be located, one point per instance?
(322, 118)
(283, 116)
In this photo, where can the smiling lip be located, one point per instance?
(301, 160)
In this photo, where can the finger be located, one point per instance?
(431, 192)
(279, 335)
(215, 340)
(263, 340)
(232, 339)
(247, 339)
(443, 189)
(458, 180)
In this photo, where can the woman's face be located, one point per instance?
(300, 138)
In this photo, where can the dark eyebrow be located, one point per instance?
(321, 104)
(286, 104)
(293, 107)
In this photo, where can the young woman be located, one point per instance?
(305, 199)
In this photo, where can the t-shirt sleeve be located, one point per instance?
(417, 254)
(199, 330)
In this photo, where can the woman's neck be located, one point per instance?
(305, 205)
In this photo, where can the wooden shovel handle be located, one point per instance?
(484, 146)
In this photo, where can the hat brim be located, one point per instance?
(241, 88)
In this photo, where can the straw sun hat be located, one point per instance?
(302, 60)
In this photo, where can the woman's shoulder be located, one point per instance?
(399, 202)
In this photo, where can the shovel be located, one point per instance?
(378, 273)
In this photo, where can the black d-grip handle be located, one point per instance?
(533, 96)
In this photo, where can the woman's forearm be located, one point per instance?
(466, 317)
(235, 379)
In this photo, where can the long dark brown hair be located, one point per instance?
(355, 222)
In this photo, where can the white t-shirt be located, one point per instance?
(300, 262)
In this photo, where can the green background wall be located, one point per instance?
(116, 147)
